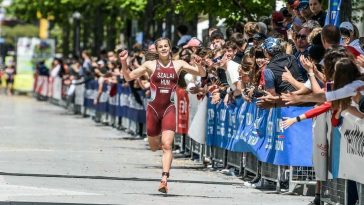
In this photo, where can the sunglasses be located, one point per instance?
(303, 7)
(299, 36)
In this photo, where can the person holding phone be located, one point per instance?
(161, 111)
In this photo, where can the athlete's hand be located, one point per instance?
(123, 55)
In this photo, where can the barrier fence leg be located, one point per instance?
(202, 151)
(278, 185)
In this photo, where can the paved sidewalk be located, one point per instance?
(47, 155)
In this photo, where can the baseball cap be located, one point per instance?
(194, 42)
(347, 25)
(293, 3)
(304, 4)
(272, 45)
(277, 17)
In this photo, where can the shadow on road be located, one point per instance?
(114, 178)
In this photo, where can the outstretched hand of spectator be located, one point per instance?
(308, 65)
(290, 98)
(360, 60)
(267, 101)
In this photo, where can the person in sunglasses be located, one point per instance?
(304, 9)
(302, 47)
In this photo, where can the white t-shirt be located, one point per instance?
(232, 73)
(308, 85)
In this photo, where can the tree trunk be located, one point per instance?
(66, 38)
(98, 30)
(212, 20)
(111, 31)
(169, 19)
(85, 31)
(346, 10)
(148, 23)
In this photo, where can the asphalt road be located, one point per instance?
(48, 155)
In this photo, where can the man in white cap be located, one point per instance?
(348, 38)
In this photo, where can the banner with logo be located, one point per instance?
(211, 123)
(348, 157)
(29, 52)
(259, 131)
(333, 14)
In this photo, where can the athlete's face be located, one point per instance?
(163, 48)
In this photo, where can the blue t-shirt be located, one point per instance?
(269, 79)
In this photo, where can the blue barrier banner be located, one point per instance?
(259, 131)
(237, 144)
(293, 146)
(102, 106)
(222, 121)
(211, 123)
(91, 91)
(123, 101)
(119, 108)
(257, 136)
(113, 100)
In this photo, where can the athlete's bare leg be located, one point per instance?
(154, 143)
(167, 140)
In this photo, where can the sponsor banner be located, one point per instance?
(348, 157)
(198, 124)
(251, 129)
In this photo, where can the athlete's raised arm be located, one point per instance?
(197, 69)
(131, 75)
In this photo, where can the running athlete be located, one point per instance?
(161, 112)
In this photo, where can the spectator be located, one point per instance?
(10, 74)
(348, 37)
(319, 14)
(275, 68)
(193, 44)
(304, 9)
(217, 39)
(183, 36)
(278, 29)
(330, 36)
(302, 46)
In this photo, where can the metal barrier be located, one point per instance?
(300, 175)
(178, 142)
(197, 149)
(274, 173)
(235, 159)
(250, 164)
(218, 157)
(334, 191)
(188, 146)
(361, 194)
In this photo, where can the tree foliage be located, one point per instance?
(233, 10)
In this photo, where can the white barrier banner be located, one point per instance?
(197, 129)
(351, 160)
(57, 88)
